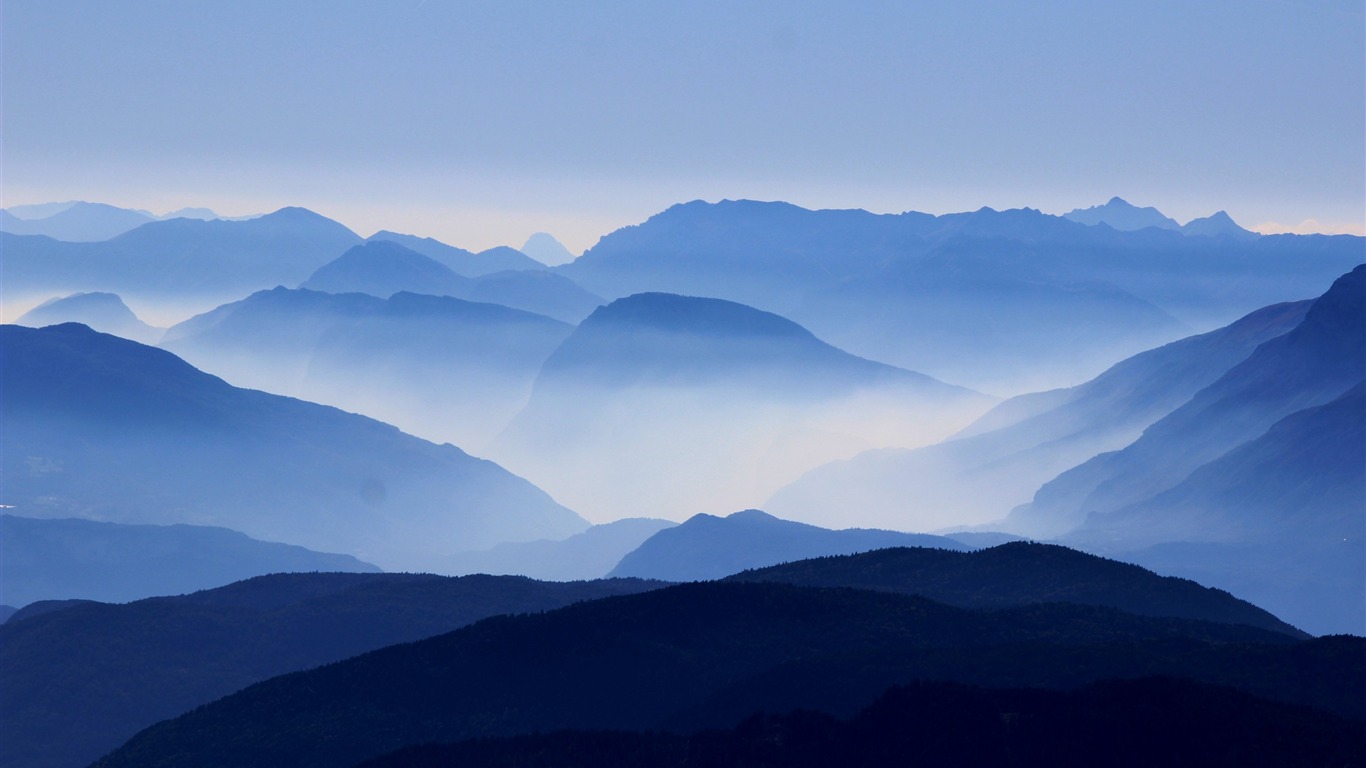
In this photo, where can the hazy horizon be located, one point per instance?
(481, 124)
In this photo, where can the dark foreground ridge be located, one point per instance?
(1138, 723)
(679, 655)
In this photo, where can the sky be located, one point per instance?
(479, 123)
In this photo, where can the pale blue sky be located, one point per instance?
(479, 123)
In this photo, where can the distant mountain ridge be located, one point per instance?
(179, 259)
(1001, 459)
(459, 260)
(78, 222)
(100, 426)
(59, 559)
(707, 547)
(1021, 573)
(104, 312)
(676, 404)
(443, 368)
(1006, 292)
(381, 267)
(1121, 215)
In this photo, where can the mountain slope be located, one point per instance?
(588, 555)
(178, 259)
(446, 369)
(1000, 460)
(105, 312)
(461, 261)
(100, 427)
(1308, 366)
(124, 667)
(707, 547)
(69, 558)
(382, 268)
(80, 222)
(1058, 300)
(1278, 519)
(675, 404)
(633, 662)
(1122, 215)
(1021, 573)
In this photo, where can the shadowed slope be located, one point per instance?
(98, 426)
(80, 681)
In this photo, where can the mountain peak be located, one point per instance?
(1122, 215)
(543, 247)
(1217, 223)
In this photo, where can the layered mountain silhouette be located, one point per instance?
(382, 268)
(104, 312)
(588, 555)
(78, 222)
(65, 559)
(124, 667)
(709, 547)
(543, 247)
(100, 427)
(1014, 298)
(1310, 365)
(440, 367)
(1218, 224)
(1000, 460)
(1278, 519)
(462, 262)
(1212, 435)
(675, 404)
(646, 661)
(1021, 573)
(1120, 214)
(178, 260)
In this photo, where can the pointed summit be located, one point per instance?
(1219, 223)
(1120, 214)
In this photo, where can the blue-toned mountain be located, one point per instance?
(668, 405)
(105, 312)
(999, 461)
(62, 559)
(708, 547)
(1014, 300)
(101, 427)
(179, 259)
(124, 667)
(443, 368)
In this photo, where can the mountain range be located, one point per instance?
(1183, 444)
(1121, 215)
(997, 463)
(675, 404)
(177, 261)
(123, 667)
(59, 559)
(104, 312)
(1017, 299)
(104, 428)
(382, 268)
(446, 369)
(667, 657)
(708, 547)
